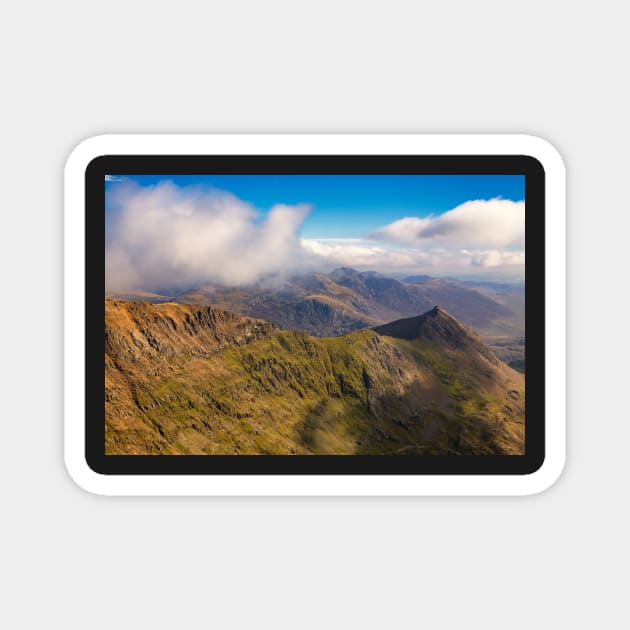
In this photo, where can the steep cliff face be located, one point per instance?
(169, 330)
(184, 379)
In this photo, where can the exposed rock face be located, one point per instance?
(169, 330)
(187, 379)
(318, 315)
(439, 327)
(327, 305)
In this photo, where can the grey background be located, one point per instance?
(72, 70)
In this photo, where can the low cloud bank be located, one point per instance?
(169, 236)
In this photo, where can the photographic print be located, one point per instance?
(314, 314)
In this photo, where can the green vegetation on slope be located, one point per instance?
(283, 392)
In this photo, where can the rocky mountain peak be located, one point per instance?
(438, 326)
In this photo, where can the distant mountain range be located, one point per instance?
(327, 305)
(336, 303)
(190, 379)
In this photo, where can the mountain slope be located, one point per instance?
(332, 304)
(184, 379)
(440, 327)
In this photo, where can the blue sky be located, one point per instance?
(353, 206)
(184, 230)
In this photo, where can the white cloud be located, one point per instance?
(402, 231)
(165, 236)
(114, 178)
(476, 235)
(489, 224)
(496, 258)
(366, 254)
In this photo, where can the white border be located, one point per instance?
(322, 485)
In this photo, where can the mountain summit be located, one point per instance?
(440, 327)
(434, 325)
(185, 379)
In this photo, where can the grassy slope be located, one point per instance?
(259, 390)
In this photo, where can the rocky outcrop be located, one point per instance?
(184, 379)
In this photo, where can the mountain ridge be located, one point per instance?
(188, 379)
(437, 325)
(346, 299)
